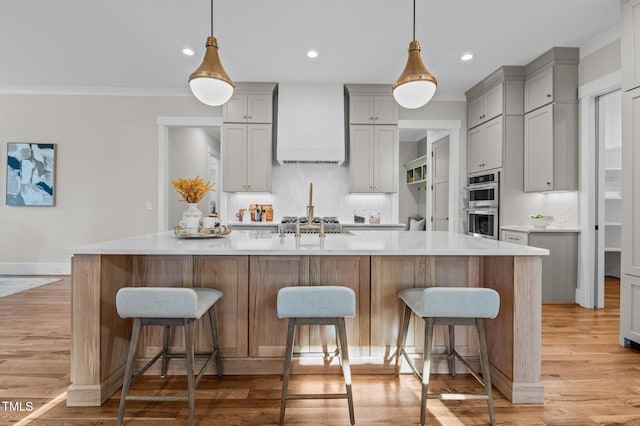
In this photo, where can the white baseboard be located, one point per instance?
(62, 268)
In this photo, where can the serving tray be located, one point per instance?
(179, 232)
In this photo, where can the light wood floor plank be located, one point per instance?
(589, 379)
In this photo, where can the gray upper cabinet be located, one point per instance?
(373, 138)
(551, 121)
(486, 106)
(630, 44)
(373, 153)
(484, 146)
(250, 103)
(248, 108)
(538, 90)
(247, 138)
(373, 109)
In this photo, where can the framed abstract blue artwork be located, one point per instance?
(31, 174)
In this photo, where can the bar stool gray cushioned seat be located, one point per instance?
(449, 306)
(167, 306)
(317, 305)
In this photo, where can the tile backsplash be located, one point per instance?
(563, 206)
(331, 196)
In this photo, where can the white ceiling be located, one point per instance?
(125, 45)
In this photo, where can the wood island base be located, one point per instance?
(252, 338)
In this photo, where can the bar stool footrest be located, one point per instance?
(156, 398)
(318, 396)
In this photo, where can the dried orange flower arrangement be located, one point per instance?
(192, 190)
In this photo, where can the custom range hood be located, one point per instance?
(310, 124)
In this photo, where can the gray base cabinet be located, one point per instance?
(560, 268)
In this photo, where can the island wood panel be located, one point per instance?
(267, 275)
(346, 271)
(162, 271)
(100, 337)
(229, 274)
(514, 336)
(390, 274)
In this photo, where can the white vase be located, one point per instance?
(191, 217)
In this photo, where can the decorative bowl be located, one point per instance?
(540, 221)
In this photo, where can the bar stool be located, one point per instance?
(449, 306)
(317, 305)
(167, 307)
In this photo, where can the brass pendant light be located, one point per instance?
(415, 86)
(210, 83)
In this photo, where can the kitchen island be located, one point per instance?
(251, 266)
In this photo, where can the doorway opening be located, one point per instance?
(187, 146)
(600, 129)
(417, 197)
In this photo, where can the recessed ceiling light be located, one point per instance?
(466, 57)
(187, 51)
(312, 54)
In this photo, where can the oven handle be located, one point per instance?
(482, 186)
(483, 211)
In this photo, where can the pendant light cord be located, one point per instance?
(212, 18)
(414, 19)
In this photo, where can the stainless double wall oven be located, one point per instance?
(484, 204)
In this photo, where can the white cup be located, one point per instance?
(209, 222)
(190, 224)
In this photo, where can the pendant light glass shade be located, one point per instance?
(210, 83)
(415, 86)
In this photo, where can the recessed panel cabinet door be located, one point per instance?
(361, 159)
(475, 149)
(385, 169)
(493, 144)
(259, 158)
(538, 150)
(234, 146)
(538, 90)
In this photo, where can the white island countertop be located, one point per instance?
(263, 242)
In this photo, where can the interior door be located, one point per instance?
(440, 193)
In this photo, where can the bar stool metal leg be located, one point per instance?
(188, 342)
(165, 348)
(486, 369)
(287, 367)
(451, 349)
(214, 335)
(346, 369)
(402, 337)
(426, 368)
(133, 346)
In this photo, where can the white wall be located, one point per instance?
(106, 171)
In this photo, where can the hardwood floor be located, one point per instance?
(588, 378)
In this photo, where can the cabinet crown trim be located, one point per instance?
(500, 75)
(554, 56)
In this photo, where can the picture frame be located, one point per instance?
(31, 174)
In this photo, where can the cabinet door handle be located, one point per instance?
(548, 183)
(251, 116)
(245, 116)
(548, 95)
